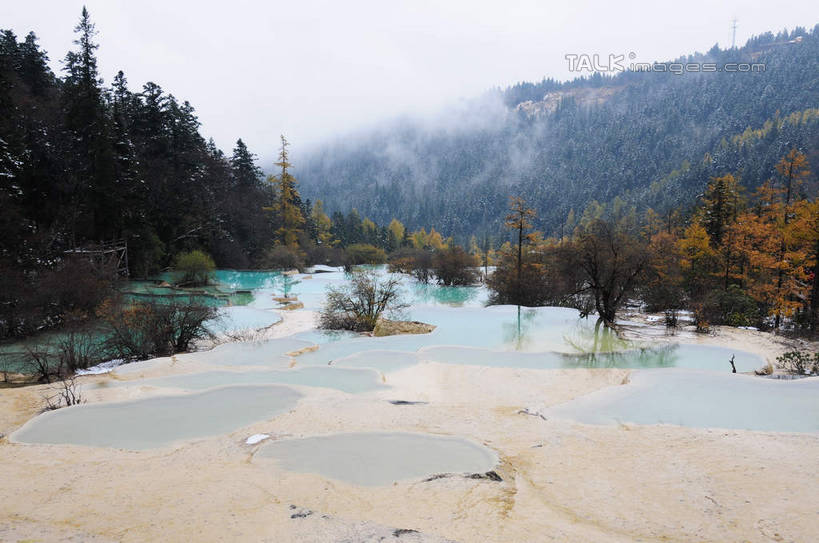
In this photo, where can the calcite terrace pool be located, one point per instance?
(501, 413)
(674, 383)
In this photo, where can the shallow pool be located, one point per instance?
(379, 458)
(383, 361)
(158, 421)
(496, 327)
(702, 399)
(663, 356)
(347, 380)
(236, 318)
(271, 353)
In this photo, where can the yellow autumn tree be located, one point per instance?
(664, 278)
(697, 259)
(793, 170)
(805, 234)
(369, 227)
(753, 242)
(419, 238)
(396, 230)
(287, 212)
(435, 240)
(323, 224)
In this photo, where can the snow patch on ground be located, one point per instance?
(105, 367)
(321, 268)
(256, 438)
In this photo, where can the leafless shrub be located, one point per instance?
(65, 394)
(43, 364)
(358, 304)
(144, 330)
(79, 349)
(6, 363)
(66, 293)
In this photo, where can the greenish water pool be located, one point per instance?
(377, 459)
(159, 421)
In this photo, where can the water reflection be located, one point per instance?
(518, 333)
(597, 339)
(452, 296)
(703, 400)
(657, 357)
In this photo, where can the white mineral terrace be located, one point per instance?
(503, 424)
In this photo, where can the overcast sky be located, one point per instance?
(317, 69)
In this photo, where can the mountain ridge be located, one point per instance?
(563, 145)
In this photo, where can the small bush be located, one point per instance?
(455, 267)
(144, 330)
(358, 304)
(659, 296)
(799, 362)
(321, 254)
(701, 321)
(281, 257)
(402, 260)
(196, 267)
(364, 253)
(732, 307)
(79, 349)
(75, 349)
(77, 287)
(34, 301)
(415, 262)
(66, 395)
(533, 288)
(42, 365)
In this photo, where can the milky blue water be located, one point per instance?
(383, 361)
(159, 421)
(237, 318)
(702, 399)
(379, 458)
(311, 290)
(229, 280)
(668, 356)
(269, 354)
(683, 384)
(352, 381)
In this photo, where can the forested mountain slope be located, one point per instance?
(653, 139)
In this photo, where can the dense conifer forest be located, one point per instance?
(703, 179)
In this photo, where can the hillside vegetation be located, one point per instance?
(652, 139)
